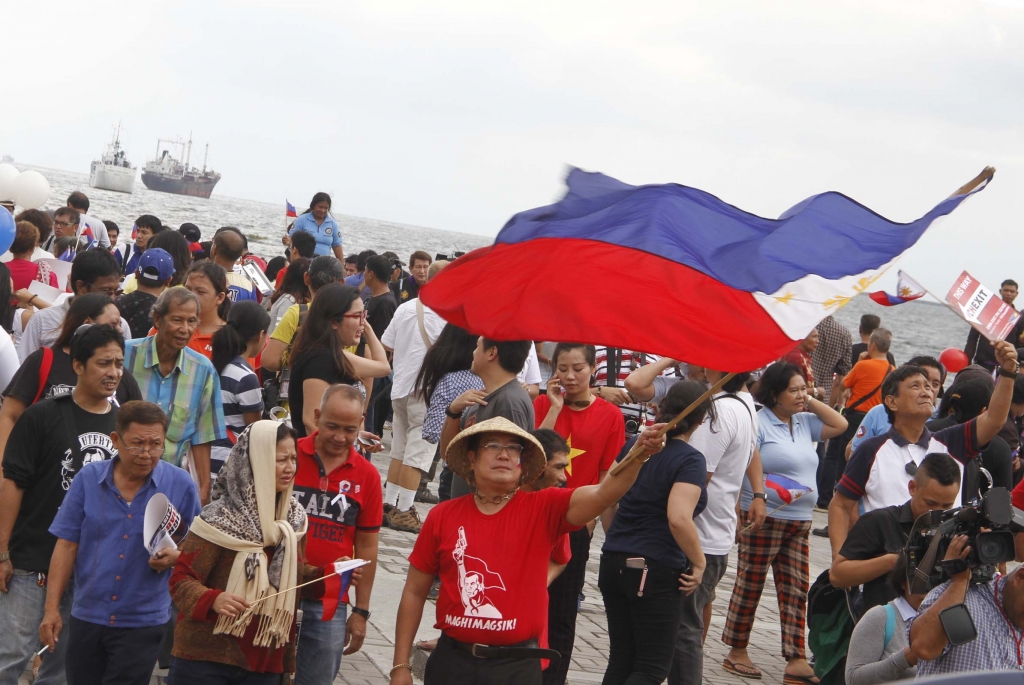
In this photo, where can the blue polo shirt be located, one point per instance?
(875, 422)
(114, 584)
(327, 234)
(789, 453)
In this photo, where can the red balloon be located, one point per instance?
(953, 359)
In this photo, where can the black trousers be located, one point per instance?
(189, 672)
(101, 655)
(830, 469)
(448, 665)
(563, 604)
(641, 630)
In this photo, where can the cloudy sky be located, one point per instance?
(456, 114)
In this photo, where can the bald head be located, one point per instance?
(228, 246)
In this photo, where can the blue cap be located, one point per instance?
(155, 267)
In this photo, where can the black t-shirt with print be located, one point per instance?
(62, 379)
(43, 455)
(135, 308)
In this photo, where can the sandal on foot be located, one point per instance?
(742, 670)
(790, 679)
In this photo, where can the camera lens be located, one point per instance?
(994, 547)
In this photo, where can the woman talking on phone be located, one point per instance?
(652, 552)
(595, 431)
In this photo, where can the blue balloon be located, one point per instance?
(6, 229)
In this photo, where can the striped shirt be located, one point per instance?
(189, 395)
(628, 361)
(240, 393)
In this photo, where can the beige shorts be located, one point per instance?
(407, 443)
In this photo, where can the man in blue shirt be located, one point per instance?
(121, 600)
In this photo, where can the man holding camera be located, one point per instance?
(940, 636)
(876, 540)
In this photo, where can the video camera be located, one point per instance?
(448, 257)
(989, 524)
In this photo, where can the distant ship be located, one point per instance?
(113, 171)
(8, 159)
(168, 175)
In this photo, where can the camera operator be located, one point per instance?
(876, 540)
(880, 468)
(997, 611)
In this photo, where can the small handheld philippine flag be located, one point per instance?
(907, 289)
(336, 585)
(67, 256)
(787, 489)
(88, 237)
(135, 230)
(289, 209)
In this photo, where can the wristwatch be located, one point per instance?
(1010, 374)
(5, 556)
(760, 495)
(365, 613)
(450, 414)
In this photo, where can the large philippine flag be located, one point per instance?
(674, 270)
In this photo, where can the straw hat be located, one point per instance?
(532, 462)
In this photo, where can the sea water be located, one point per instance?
(918, 327)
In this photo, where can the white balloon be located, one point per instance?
(31, 190)
(7, 175)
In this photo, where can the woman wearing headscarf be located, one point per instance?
(246, 545)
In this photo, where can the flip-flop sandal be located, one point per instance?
(427, 645)
(790, 679)
(742, 670)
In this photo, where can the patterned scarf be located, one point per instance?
(246, 515)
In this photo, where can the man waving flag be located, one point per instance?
(705, 281)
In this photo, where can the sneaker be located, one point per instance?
(387, 426)
(406, 521)
(425, 496)
(820, 532)
(389, 511)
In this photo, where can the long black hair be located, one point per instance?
(245, 322)
(293, 283)
(452, 351)
(218, 277)
(88, 306)
(6, 297)
(331, 304)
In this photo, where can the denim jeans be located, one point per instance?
(190, 672)
(318, 655)
(641, 629)
(21, 612)
(688, 663)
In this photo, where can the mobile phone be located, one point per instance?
(636, 562)
(369, 442)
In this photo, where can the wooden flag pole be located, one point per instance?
(637, 451)
(249, 609)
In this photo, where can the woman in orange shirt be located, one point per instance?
(209, 283)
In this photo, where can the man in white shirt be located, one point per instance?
(530, 375)
(93, 271)
(413, 329)
(728, 444)
(79, 202)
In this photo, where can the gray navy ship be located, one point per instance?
(168, 174)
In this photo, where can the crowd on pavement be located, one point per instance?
(237, 405)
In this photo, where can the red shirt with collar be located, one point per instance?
(337, 504)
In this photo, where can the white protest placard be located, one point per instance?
(161, 521)
(46, 293)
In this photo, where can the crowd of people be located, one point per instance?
(248, 399)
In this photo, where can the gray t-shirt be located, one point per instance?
(510, 401)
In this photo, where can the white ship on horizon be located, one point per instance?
(113, 171)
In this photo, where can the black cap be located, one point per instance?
(191, 232)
